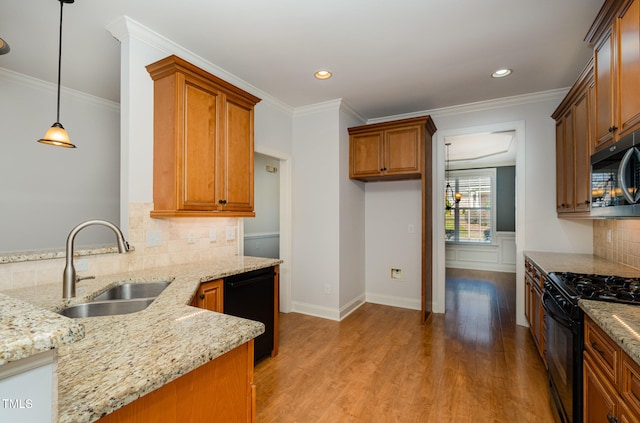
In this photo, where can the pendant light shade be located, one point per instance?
(57, 135)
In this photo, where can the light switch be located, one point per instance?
(231, 234)
(213, 235)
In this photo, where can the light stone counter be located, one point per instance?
(620, 321)
(122, 358)
(579, 263)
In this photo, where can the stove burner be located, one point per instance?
(600, 287)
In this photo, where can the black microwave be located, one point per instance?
(615, 179)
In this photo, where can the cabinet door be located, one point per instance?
(197, 154)
(604, 90)
(628, 32)
(561, 187)
(210, 296)
(366, 154)
(568, 162)
(236, 178)
(600, 401)
(402, 150)
(582, 150)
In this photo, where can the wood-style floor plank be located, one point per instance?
(472, 364)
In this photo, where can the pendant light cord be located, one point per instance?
(59, 61)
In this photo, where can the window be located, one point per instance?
(472, 220)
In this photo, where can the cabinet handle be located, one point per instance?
(594, 345)
(587, 202)
(202, 296)
(611, 418)
(222, 201)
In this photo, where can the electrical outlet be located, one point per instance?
(212, 235)
(411, 229)
(231, 234)
(396, 273)
(191, 238)
(327, 289)
(608, 236)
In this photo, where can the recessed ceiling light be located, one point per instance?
(322, 74)
(501, 73)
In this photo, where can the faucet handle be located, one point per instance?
(78, 278)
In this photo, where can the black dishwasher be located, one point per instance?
(251, 295)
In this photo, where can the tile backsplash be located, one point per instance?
(179, 240)
(617, 240)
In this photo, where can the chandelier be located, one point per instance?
(451, 199)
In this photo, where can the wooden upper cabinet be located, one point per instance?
(389, 150)
(574, 133)
(203, 143)
(615, 36)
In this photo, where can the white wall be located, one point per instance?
(48, 190)
(352, 224)
(393, 217)
(316, 217)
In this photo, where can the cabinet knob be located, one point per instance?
(613, 129)
(202, 296)
(587, 202)
(611, 418)
(222, 201)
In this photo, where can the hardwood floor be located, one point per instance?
(472, 364)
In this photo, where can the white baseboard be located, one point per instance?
(328, 312)
(410, 303)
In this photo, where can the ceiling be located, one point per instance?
(387, 57)
(481, 150)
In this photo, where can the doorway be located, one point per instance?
(282, 162)
(517, 243)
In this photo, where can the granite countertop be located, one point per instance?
(620, 321)
(122, 358)
(579, 263)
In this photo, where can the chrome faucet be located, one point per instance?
(69, 278)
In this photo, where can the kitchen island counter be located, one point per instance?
(122, 358)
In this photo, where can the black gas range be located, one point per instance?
(564, 330)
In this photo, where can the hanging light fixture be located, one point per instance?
(57, 135)
(451, 199)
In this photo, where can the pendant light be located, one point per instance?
(450, 199)
(4, 47)
(57, 135)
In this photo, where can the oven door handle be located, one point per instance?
(556, 313)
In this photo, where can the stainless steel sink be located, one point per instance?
(133, 290)
(106, 308)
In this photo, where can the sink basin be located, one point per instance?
(106, 308)
(128, 291)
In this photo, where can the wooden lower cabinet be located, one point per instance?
(534, 310)
(611, 379)
(221, 390)
(210, 296)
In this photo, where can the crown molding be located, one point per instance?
(39, 84)
(125, 28)
(557, 94)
